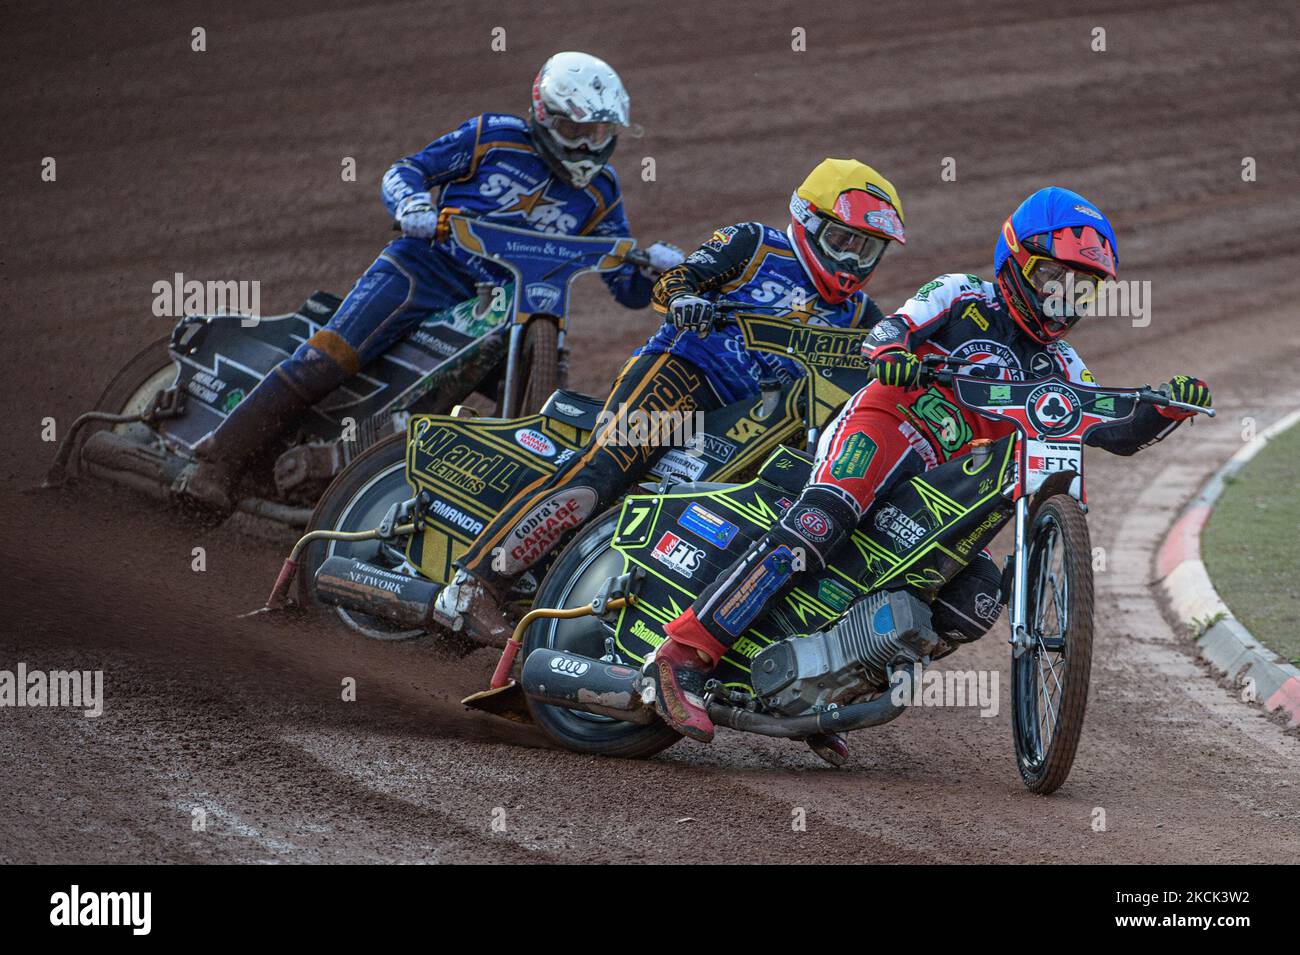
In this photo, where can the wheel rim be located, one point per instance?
(585, 635)
(364, 510)
(1042, 668)
(141, 399)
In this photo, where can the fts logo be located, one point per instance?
(678, 555)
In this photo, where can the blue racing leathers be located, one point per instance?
(752, 264)
(489, 168)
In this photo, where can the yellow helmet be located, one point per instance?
(842, 217)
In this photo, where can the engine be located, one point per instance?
(847, 659)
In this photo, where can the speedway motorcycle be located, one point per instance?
(507, 344)
(842, 651)
(385, 535)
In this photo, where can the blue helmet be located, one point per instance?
(1052, 232)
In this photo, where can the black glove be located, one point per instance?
(692, 313)
(896, 367)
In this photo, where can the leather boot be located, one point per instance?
(469, 604)
(221, 458)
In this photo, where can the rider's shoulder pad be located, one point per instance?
(496, 122)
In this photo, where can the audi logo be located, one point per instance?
(569, 667)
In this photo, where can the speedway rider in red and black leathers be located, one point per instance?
(893, 429)
(842, 218)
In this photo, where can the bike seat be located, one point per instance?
(320, 307)
(573, 408)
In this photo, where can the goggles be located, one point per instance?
(573, 134)
(855, 248)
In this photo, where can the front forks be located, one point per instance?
(1020, 637)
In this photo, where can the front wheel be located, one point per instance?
(573, 580)
(1050, 678)
(539, 365)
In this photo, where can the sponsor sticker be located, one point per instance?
(738, 611)
(833, 595)
(679, 465)
(532, 440)
(1053, 409)
(900, 528)
(854, 457)
(678, 555)
(714, 529)
(815, 524)
(542, 296)
(542, 527)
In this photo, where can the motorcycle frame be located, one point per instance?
(463, 230)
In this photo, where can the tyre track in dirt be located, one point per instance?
(226, 164)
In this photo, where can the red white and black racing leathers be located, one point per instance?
(887, 434)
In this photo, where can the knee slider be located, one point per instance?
(970, 603)
(818, 522)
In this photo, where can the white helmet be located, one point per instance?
(579, 106)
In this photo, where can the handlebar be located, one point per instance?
(937, 369)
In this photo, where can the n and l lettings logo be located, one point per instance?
(134, 909)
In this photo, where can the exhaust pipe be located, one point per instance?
(355, 585)
(148, 470)
(842, 719)
(576, 682)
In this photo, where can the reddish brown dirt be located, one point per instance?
(226, 165)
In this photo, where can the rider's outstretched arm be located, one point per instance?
(1145, 428)
(446, 158)
(710, 268)
(629, 285)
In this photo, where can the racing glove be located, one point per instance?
(896, 367)
(662, 258)
(1188, 389)
(691, 313)
(418, 216)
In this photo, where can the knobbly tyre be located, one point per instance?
(385, 534)
(507, 344)
(841, 651)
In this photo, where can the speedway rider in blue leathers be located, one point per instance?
(843, 217)
(549, 172)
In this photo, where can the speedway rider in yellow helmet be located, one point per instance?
(843, 217)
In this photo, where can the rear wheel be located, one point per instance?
(1050, 679)
(357, 500)
(539, 368)
(573, 581)
(132, 389)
